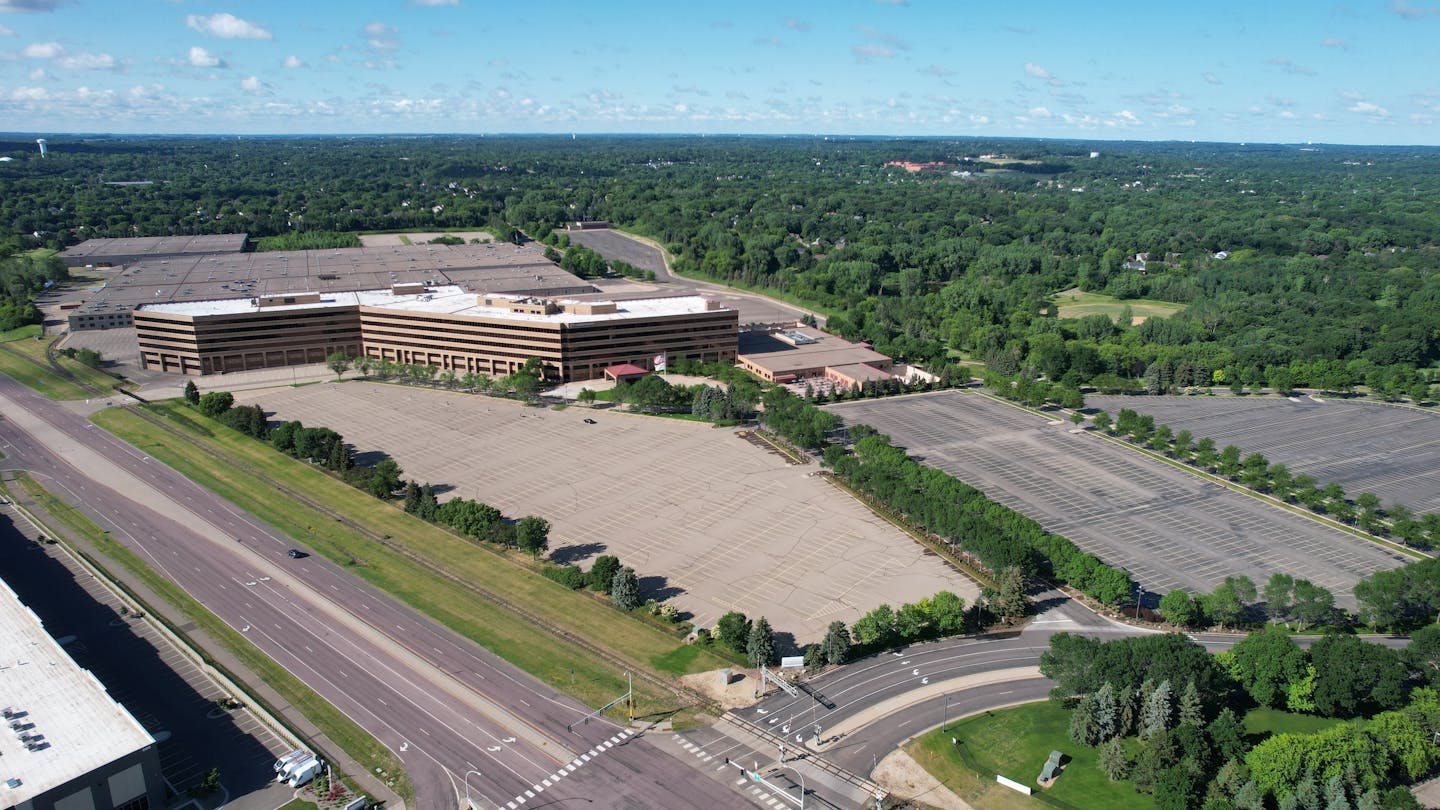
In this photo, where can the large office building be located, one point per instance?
(66, 744)
(447, 326)
(179, 278)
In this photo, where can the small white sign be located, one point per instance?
(792, 662)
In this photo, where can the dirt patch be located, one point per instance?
(905, 779)
(738, 694)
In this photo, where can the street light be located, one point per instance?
(802, 784)
(469, 805)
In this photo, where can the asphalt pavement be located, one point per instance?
(444, 705)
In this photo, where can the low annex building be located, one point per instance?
(66, 744)
(802, 353)
(444, 326)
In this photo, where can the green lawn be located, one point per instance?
(105, 553)
(32, 368)
(1016, 742)
(19, 367)
(1076, 304)
(32, 331)
(252, 475)
(1266, 722)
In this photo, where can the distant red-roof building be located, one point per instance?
(625, 372)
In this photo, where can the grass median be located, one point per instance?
(23, 358)
(259, 479)
(334, 724)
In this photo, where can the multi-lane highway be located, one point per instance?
(444, 705)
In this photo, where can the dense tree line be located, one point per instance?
(1319, 265)
(993, 535)
(1166, 715)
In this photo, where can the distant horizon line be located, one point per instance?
(704, 135)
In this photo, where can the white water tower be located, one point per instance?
(44, 146)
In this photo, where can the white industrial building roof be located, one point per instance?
(447, 299)
(80, 727)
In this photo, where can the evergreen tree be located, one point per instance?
(1191, 710)
(1125, 712)
(760, 647)
(412, 497)
(1082, 721)
(1159, 709)
(192, 394)
(836, 646)
(1105, 713)
(1114, 762)
(625, 589)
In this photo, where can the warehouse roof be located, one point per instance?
(499, 268)
(75, 725)
(128, 249)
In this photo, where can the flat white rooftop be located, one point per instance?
(81, 727)
(447, 299)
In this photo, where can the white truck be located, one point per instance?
(302, 775)
(298, 753)
(284, 774)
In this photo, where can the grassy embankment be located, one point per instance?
(1077, 304)
(101, 551)
(1017, 741)
(455, 581)
(23, 359)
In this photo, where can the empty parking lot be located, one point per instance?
(706, 519)
(1391, 451)
(1168, 527)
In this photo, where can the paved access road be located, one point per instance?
(869, 708)
(441, 703)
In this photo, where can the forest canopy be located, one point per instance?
(1306, 262)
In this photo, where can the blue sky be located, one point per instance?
(1364, 71)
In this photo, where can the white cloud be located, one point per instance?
(434, 2)
(88, 61)
(1335, 42)
(255, 87)
(1403, 9)
(1349, 95)
(38, 74)
(1039, 112)
(864, 53)
(798, 25)
(6, 32)
(1032, 69)
(1290, 67)
(30, 5)
(42, 50)
(1369, 108)
(199, 57)
(1210, 78)
(226, 26)
(292, 62)
(381, 37)
(938, 70)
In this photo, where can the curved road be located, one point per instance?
(867, 709)
(441, 703)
